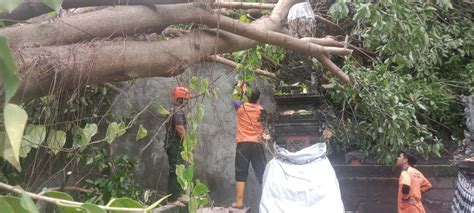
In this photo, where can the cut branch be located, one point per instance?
(225, 61)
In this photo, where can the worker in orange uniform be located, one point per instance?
(249, 137)
(411, 185)
(175, 133)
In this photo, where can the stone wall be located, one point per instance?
(215, 152)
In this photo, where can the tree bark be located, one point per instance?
(282, 40)
(107, 23)
(206, 17)
(51, 69)
(32, 8)
(244, 5)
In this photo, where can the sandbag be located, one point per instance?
(302, 181)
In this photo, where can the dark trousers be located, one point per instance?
(173, 150)
(246, 153)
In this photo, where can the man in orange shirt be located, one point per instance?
(410, 185)
(249, 143)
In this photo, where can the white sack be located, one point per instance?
(300, 182)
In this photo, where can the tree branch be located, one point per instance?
(64, 202)
(319, 52)
(74, 188)
(228, 62)
(106, 23)
(329, 23)
(98, 62)
(244, 5)
(32, 8)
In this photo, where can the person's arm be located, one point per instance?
(181, 131)
(425, 185)
(242, 86)
(406, 182)
(237, 104)
(327, 134)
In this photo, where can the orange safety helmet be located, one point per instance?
(181, 92)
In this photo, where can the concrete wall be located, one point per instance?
(373, 188)
(215, 151)
(364, 189)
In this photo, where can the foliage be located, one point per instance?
(14, 117)
(407, 98)
(113, 177)
(66, 204)
(195, 192)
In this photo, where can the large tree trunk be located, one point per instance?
(107, 23)
(49, 69)
(32, 8)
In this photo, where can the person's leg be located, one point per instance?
(174, 158)
(242, 162)
(258, 160)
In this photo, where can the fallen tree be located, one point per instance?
(72, 51)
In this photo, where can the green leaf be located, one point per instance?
(244, 19)
(54, 4)
(59, 195)
(91, 208)
(9, 5)
(179, 173)
(27, 203)
(187, 156)
(192, 205)
(35, 135)
(188, 173)
(121, 128)
(14, 203)
(200, 189)
(162, 110)
(142, 132)
(64, 196)
(15, 121)
(199, 85)
(114, 130)
(123, 202)
(202, 201)
(422, 106)
(56, 140)
(82, 137)
(89, 131)
(5, 206)
(53, 14)
(200, 112)
(8, 70)
(445, 4)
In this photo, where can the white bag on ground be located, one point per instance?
(300, 182)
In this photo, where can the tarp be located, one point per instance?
(302, 181)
